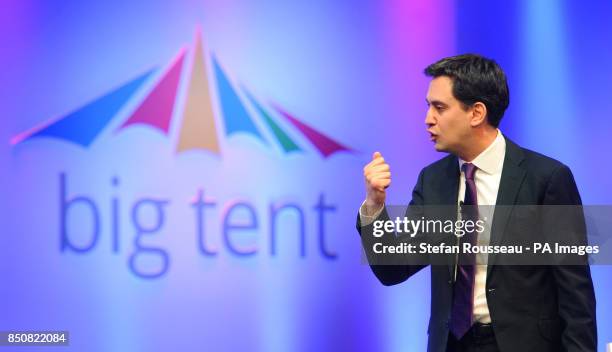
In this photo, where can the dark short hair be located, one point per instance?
(475, 79)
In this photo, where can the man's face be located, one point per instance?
(447, 122)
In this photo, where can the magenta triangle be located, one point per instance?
(325, 145)
(156, 109)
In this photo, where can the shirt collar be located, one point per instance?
(491, 160)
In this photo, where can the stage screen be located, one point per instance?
(185, 175)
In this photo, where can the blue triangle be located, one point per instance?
(83, 125)
(235, 116)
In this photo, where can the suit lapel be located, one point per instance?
(449, 184)
(511, 180)
(449, 192)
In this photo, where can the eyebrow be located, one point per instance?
(435, 102)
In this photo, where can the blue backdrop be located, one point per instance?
(185, 175)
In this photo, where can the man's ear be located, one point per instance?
(479, 114)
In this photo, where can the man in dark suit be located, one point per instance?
(490, 307)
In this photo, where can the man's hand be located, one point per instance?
(377, 178)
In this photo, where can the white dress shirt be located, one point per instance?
(489, 166)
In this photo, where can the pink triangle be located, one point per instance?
(324, 144)
(156, 109)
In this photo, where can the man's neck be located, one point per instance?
(480, 142)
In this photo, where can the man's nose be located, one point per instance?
(429, 119)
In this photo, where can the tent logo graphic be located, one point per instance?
(198, 129)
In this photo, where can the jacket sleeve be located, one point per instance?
(574, 285)
(390, 269)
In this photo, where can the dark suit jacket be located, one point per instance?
(532, 307)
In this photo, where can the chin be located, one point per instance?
(440, 148)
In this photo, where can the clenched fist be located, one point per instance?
(377, 178)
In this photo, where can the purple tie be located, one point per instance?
(463, 290)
